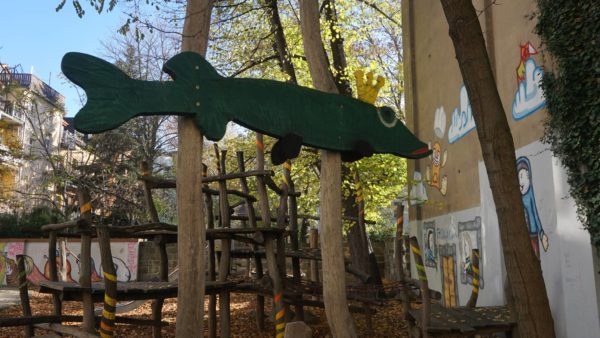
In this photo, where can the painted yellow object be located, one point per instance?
(367, 90)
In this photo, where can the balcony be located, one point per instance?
(34, 84)
(7, 158)
(10, 115)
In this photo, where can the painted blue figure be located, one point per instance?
(536, 232)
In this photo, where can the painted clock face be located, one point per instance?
(524, 183)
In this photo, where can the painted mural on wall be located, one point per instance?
(529, 97)
(438, 157)
(418, 194)
(429, 244)
(532, 217)
(462, 118)
(469, 238)
(37, 265)
(447, 255)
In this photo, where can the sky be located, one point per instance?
(35, 36)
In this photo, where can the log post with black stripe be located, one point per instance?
(110, 283)
(426, 306)
(475, 269)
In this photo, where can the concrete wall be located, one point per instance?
(460, 213)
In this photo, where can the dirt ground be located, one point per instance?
(387, 321)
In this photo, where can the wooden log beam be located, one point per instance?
(225, 262)
(110, 282)
(212, 272)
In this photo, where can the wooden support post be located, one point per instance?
(157, 304)
(334, 276)
(278, 304)
(56, 302)
(263, 200)
(24, 293)
(293, 217)
(212, 273)
(225, 262)
(191, 232)
(313, 238)
(399, 246)
(110, 282)
(85, 268)
(260, 299)
(426, 303)
(475, 269)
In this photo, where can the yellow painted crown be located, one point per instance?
(367, 90)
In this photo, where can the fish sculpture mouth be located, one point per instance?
(293, 114)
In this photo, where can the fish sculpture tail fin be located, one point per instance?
(104, 84)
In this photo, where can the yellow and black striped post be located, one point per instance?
(110, 283)
(426, 305)
(475, 278)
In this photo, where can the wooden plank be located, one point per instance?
(212, 273)
(70, 330)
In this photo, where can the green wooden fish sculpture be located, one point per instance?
(295, 115)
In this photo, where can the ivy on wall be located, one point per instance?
(570, 31)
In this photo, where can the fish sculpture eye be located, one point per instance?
(387, 116)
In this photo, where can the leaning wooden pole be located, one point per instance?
(334, 276)
(190, 210)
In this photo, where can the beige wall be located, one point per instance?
(437, 82)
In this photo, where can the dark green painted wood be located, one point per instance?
(322, 120)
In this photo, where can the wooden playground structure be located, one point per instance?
(280, 279)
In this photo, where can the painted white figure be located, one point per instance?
(462, 118)
(467, 247)
(439, 122)
(530, 95)
(534, 225)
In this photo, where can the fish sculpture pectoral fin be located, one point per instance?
(286, 148)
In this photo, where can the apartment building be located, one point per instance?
(31, 129)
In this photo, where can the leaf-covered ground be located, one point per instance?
(387, 321)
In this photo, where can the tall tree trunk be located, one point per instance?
(357, 234)
(525, 278)
(190, 203)
(334, 281)
(280, 43)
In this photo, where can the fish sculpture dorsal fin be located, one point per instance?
(189, 66)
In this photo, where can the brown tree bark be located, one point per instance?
(531, 306)
(334, 285)
(190, 203)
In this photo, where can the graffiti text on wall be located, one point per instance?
(37, 265)
(529, 96)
